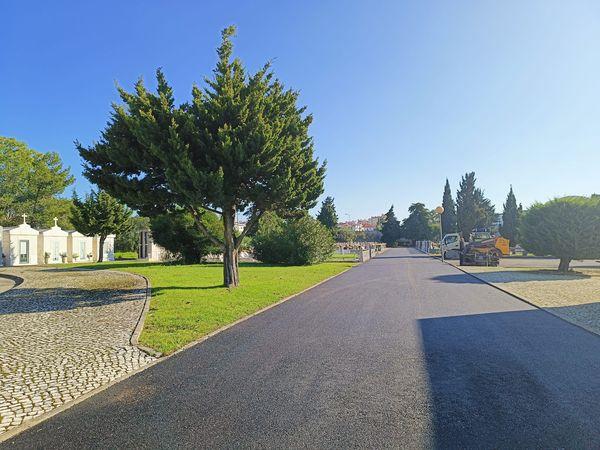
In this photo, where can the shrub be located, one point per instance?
(177, 233)
(298, 241)
(567, 228)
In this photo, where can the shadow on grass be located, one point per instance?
(160, 290)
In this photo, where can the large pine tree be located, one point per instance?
(449, 214)
(327, 215)
(240, 146)
(390, 229)
(510, 218)
(417, 226)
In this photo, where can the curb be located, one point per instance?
(524, 300)
(256, 313)
(15, 279)
(135, 335)
(139, 326)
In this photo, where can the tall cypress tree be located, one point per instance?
(327, 215)
(390, 229)
(510, 218)
(241, 145)
(466, 211)
(449, 214)
(473, 209)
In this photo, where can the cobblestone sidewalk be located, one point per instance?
(64, 332)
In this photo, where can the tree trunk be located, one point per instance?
(101, 249)
(230, 252)
(563, 266)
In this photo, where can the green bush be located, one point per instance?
(567, 228)
(176, 232)
(298, 241)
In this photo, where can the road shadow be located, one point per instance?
(35, 300)
(506, 276)
(522, 379)
(411, 256)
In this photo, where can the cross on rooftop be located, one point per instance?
(24, 216)
(55, 221)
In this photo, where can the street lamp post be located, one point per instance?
(440, 210)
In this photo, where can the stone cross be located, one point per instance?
(55, 221)
(24, 216)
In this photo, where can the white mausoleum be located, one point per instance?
(149, 250)
(109, 247)
(24, 245)
(20, 245)
(81, 246)
(52, 245)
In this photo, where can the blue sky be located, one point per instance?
(404, 94)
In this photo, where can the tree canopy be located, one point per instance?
(31, 182)
(567, 228)
(241, 145)
(327, 215)
(449, 215)
(390, 228)
(473, 209)
(177, 232)
(417, 226)
(297, 240)
(510, 218)
(100, 214)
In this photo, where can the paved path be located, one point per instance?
(62, 334)
(6, 284)
(402, 351)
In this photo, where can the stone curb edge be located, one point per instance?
(33, 422)
(524, 300)
(17, 280)
(139, 326)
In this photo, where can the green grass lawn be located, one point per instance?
(126, 255)
(343, 257)
(189, 302)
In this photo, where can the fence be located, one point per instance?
(364, 251)
(428, 247)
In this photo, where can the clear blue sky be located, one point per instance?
(404, 94)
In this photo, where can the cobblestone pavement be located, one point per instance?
(64, 332)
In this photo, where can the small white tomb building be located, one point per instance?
(109, 248)
(80, 247)
(20, 245)
(149, 250)
(52, 244)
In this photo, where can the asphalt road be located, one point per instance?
(403, 351)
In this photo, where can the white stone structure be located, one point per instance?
(54, 243)
(149, 250)
(20, 245)
(109, 248)
(80, 245)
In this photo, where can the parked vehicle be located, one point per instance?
(482, 248)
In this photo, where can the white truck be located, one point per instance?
(481, 243)
(451, 246)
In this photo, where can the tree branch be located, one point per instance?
(254, 218)
(215, 210)
(202, 227)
